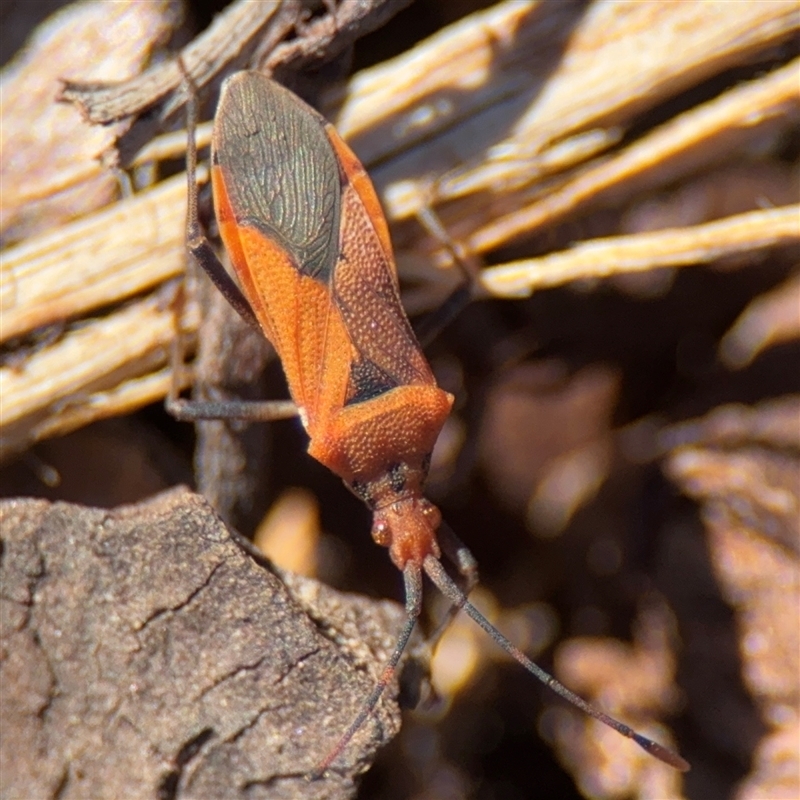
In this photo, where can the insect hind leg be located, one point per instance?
(203, 254)
(435, 322)
(198, 246)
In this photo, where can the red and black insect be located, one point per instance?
(311, 251)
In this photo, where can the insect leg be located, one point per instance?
(196, 243)
(467, 566)
(435, 322)
(200, 250)
(193, 410)
(412, 575)
(267, 411)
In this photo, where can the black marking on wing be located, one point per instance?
(367, 380)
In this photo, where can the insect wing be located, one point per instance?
(367, 294)
(310, 246)
(277, 195)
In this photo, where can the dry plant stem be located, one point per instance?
(698, 137)
(48, 153)
(327, 37)
(769, 319)
(677, 247)
(173, 145)
(227, 44)
(134, 245)
(245, 34)
(485, 102)
(231, 36)
(82, 378)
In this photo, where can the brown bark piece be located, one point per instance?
(749, 493)
(145, 655)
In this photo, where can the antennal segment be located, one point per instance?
(413, 585)
(436, 572)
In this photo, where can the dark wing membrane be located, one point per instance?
(366, 294)
(286, 173)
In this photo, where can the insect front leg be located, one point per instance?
(198, 246)
(203, 254)
(467, 566)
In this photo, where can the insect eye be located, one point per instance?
(380, 533)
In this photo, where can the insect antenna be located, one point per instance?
(436, 572)
(412, 576)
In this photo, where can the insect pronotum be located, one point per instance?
(310, 248)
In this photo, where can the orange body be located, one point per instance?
(310, 245)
